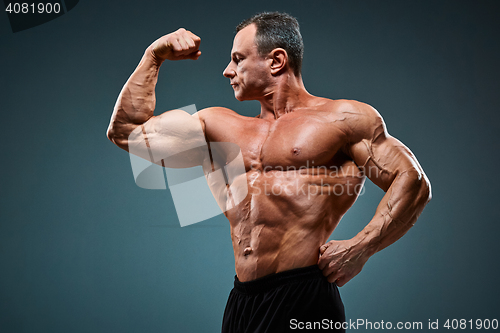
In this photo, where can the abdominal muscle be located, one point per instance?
(285, 217)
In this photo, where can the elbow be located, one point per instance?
(427, 189)
(110, 133)
(419, 185)
(117, 139)
(424, 189)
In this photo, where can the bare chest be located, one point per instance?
(290, 141)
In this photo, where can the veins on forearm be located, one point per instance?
(399, 209)
(137, 100)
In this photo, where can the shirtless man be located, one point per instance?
(315, 151)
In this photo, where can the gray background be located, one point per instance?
(83, 249)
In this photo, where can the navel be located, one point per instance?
(247, 251)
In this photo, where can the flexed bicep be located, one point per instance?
(383, 159)
(379, 156)
(174, 139)
(133, 124)
(391, 165)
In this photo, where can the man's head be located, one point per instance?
(265, 45)
(277, 30)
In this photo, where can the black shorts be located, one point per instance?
(284, 302)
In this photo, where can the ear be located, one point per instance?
(279, 60)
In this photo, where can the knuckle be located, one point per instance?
(170, 39)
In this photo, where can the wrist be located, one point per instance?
(366, 243)
(151, 56)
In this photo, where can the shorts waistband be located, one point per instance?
(271, 281)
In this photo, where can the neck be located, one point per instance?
(285, 95)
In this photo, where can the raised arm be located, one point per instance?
(134, 127)
(392, 167)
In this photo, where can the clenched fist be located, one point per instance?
(178, 45)
(340, 261)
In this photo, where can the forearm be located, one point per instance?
(397, 212)
(136, 102)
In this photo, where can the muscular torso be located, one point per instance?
(300, 183)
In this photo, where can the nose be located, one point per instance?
(229, 72)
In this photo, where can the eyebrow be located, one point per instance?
(236, 54)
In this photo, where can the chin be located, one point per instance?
(239, 97)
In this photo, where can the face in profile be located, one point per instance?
(248, 71)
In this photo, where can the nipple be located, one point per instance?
(247, 251)
(296, 151)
